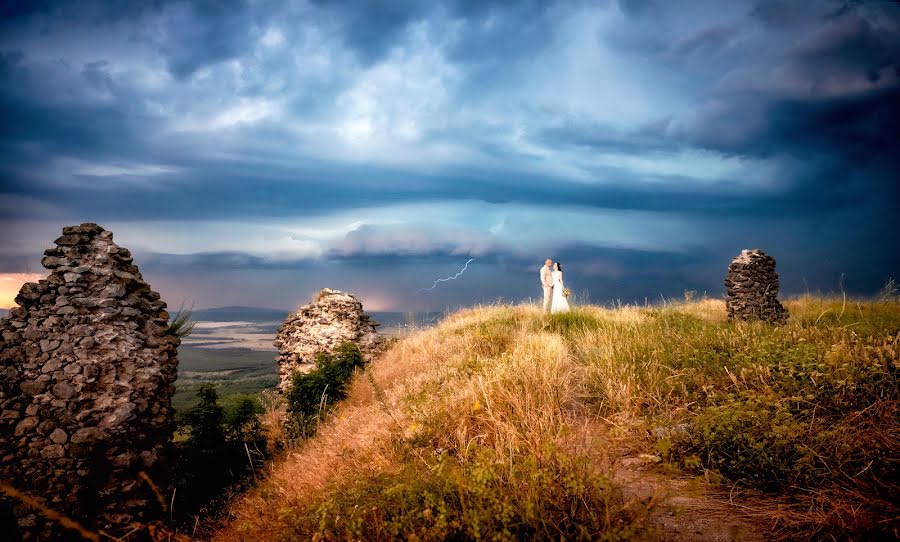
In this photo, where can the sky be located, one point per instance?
(251, 153)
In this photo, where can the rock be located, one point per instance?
(82, 330)
(50, 262)
(63, 390)
(68, 240)
(25, 425)
(114, 290)
(50, 366)
(87, 227)
(88, 434)
(751, 288)
(54, 451)
(48, 345)
(32, 387)
(80, 387)
(333, 318)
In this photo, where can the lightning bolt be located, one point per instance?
(463, 270)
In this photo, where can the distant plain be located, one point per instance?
(232, 348)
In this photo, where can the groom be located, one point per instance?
(547, 284)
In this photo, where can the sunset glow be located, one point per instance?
(10, 283)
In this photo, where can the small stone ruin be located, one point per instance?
(333, 318)
(751, 288)
(87, 370)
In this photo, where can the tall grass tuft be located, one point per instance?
(181, 325)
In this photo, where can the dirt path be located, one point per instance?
(690, 510)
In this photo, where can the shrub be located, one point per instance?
(219, 453)
(311, 394)
(783, 423)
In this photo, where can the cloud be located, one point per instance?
(265, 137)
(412, 240)
(219, 261)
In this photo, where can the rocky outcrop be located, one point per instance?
(333, 318)
(87, 370)
(751, 288)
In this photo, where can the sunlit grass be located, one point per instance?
(505, 400)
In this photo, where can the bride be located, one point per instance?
(559, 303)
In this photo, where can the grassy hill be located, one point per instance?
(606, 424)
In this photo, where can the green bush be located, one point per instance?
(785, 425)
(816, 420)
(222, 449)
(311, 394)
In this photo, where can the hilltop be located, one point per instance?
(628, 423)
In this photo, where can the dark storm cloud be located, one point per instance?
(637, 7)
(371, 28)
(754, 122)
(835, 92)
(230, 192)
(203, 33)
(213, 261)
(191, 34)
(706, 40)
(830, 101)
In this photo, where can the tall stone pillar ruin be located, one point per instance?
(751, 288)
(334, 317)
(87, 371)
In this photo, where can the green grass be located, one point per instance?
(486, 425)
(550, 497)
(805, 410)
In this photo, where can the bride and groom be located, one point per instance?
(552, 282)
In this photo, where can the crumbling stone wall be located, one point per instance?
(333, 318)
(87, 370)
(751, 288)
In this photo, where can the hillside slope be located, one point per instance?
(623, 424)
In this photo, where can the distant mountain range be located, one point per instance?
(239, 314)
(4, 313)
(259, 314)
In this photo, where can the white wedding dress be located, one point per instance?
(558, 302)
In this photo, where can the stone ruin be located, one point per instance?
(333, 318)
(751, 288)
(87, 371)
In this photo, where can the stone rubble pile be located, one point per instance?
(751, 288)
(321, 327)
(87, 371)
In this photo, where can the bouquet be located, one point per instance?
(567, 292)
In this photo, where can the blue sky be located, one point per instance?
(253, 152)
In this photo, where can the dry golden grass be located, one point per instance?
(497, 394)
(461, 389)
